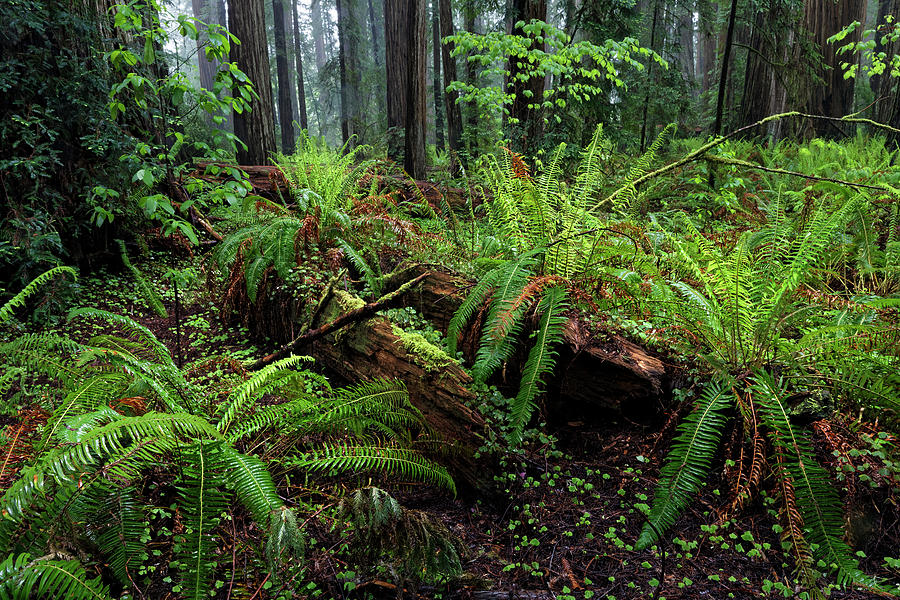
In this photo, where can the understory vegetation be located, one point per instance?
(572, 369)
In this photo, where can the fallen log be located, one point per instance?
(437, 385)
(596, 375)
(361, 313)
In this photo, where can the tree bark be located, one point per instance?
(298, 66)
(416, 104)
(373, 26)
(254, 128)
(285, 106)
(454, 117)
(834, 96)
(524, 119)
(207, 68)
(436, 75)
(396, 74)
(723, 77)
(318, 35)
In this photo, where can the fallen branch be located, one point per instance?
(749, 165)
(353, 316)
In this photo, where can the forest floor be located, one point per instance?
(563, 521)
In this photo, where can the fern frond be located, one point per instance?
(251, 482)
(540, 360)
(384, 459)
(23, 578)
(817, 501)
(688, 461)
(17, 301)
(202, 503)
(505, 316)
(473, 302)
(150, 294)
(373, 279)
(277, 373)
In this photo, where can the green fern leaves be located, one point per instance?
(688, 461)
(540, 360)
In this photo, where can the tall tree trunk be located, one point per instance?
(471, 78)
(454, 118)
(436, 75)
(416, 111)
(254, 128)
(318, 35)
(349, 34)
(342, 63)
(285, 106)
(373, 26)
(523, 116)
(207, 68)
(686, 50)
(298, 66)
(395, 55)
(834, 96)
(723, 77)
(707, 52)
(645, 110)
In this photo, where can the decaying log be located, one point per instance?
(270, 182)
(439, 388)
(365, 311)
(596, 375)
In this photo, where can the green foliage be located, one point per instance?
(90, 470)
(580, 68)
(18, 301)
(324, 181)
(741, 309)
(419, 548)
(149, 292)
(23, 577)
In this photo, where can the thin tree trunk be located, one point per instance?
(318, 35)
(285, 106)
(373, 26)
(723, 78)
(298, 66)
(454, 118)
(436, 75)
(254, 128)
(207, 68)
(525, 118)
(342, 61)
(645, 110)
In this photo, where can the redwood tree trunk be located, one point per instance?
(436, 75)
(454, 118)
(834, 96)
(524, 120)
(416, 109)
(298, 65)
(207, 68)
(285, 108)
(396, 73)
(254, 128)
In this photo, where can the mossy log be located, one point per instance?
(437, 385)
(597, 375)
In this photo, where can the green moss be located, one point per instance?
(348, 301)
(424, 353)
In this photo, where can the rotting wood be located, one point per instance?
(269, 181)
(596, 375)
(389, 300)
(372, 349)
